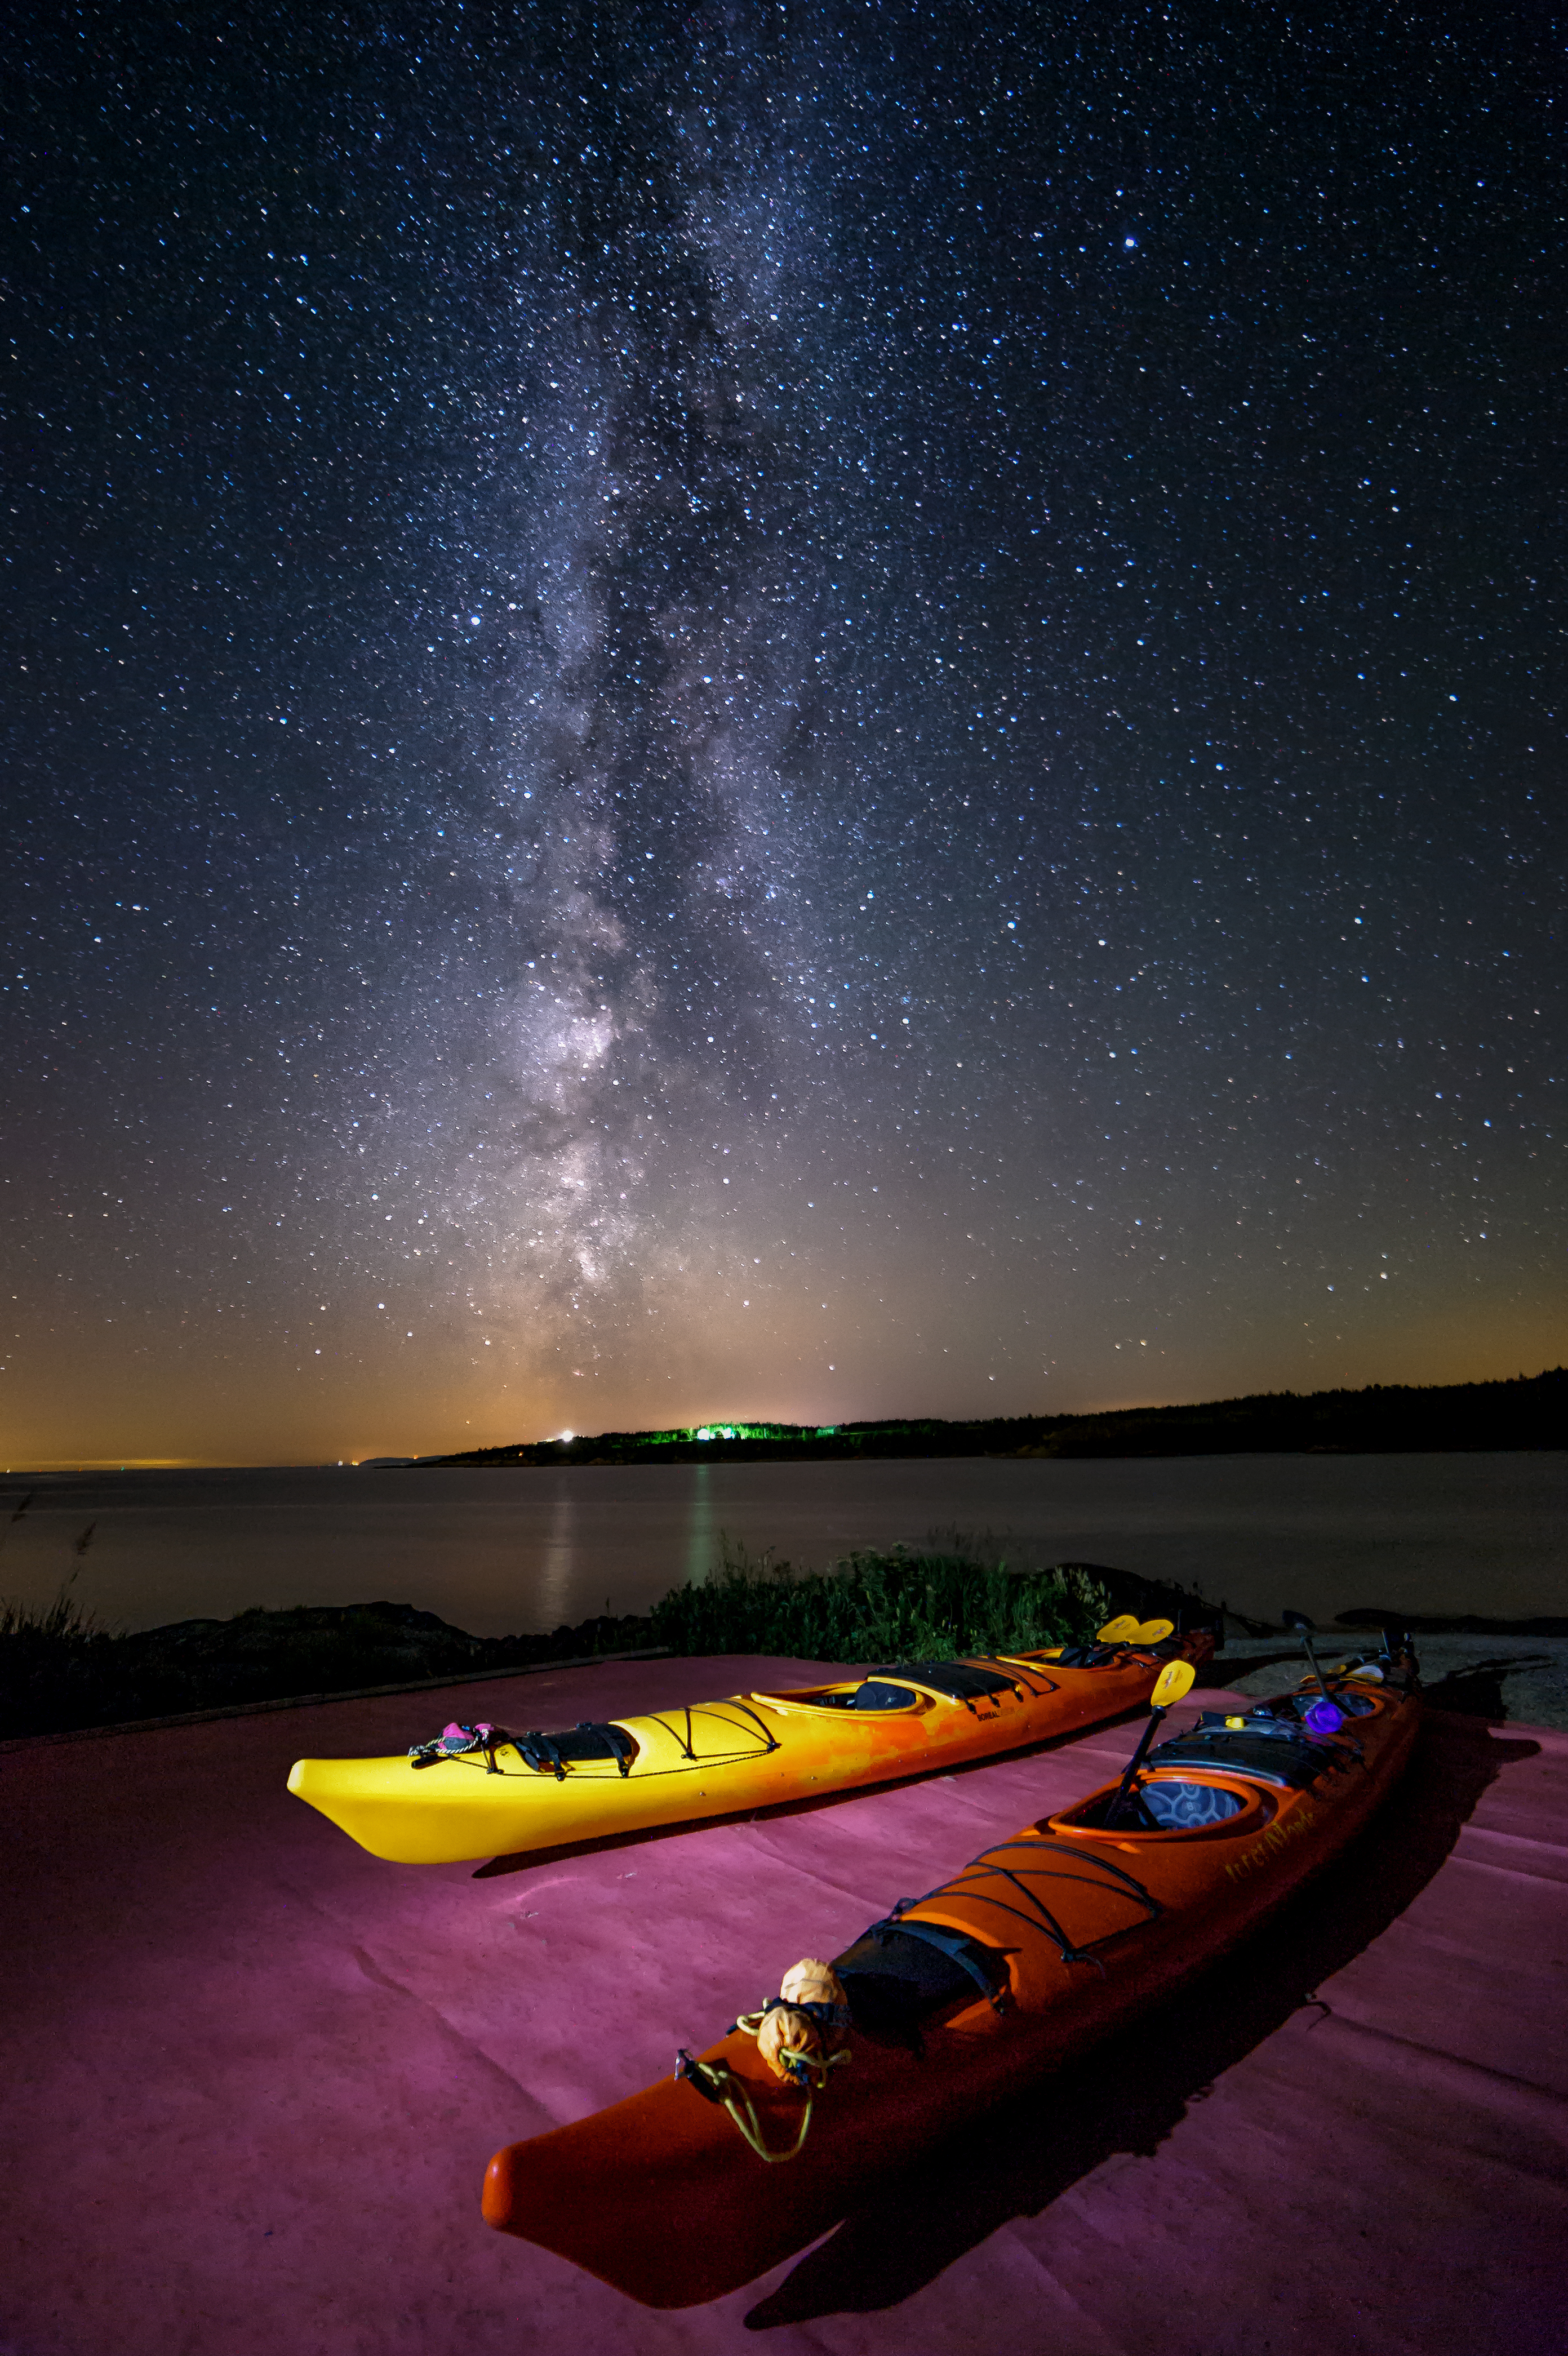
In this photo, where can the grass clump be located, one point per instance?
(54, 1658)
(903, 1604)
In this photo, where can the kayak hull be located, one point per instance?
(660, 2196)
(724, 1758)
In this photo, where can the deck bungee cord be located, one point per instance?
(711, 1710)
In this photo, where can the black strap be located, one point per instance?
(542, 1750)
(618, 1738)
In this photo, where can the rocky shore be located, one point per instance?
(51, 1680)
(69, 1676)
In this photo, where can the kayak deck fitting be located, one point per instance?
(480, 1791)
(1041, 1946)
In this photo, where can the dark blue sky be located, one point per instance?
(811, 711)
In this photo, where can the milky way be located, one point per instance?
(806, 710)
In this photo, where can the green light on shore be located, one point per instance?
(683, 1435)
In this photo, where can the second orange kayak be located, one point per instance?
(479, 1790)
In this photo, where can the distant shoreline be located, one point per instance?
(1526, 1412)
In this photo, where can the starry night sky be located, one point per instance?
(815, 711)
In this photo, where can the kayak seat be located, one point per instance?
(1181, 1807)
(874, 1694)
(898, 1975)
(877, 1694)
(1164, 1804)
(1090, 1656)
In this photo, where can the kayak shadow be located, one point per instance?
(1476, 1688)
(1128, 2097)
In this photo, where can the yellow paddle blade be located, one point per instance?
(1116, 1631)
(1174, 1680)
(1153, 1632)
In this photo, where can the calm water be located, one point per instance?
(495, 1552)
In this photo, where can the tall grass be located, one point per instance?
(905, 1604)
(54, 1659)
(61, 1625)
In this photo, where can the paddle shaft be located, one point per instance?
(1299, 1622)
(1128, 1780)
(1317, 1673)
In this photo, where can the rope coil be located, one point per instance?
(717, 2082)
(796, 2034)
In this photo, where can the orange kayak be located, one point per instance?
(480, 1792)
(1042, 1946)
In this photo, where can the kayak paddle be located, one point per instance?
(1325, 1715)
(1174, 1680)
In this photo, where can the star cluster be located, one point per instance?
(811, 711)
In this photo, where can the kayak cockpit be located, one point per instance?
(1166, 1805)
(876, 1695)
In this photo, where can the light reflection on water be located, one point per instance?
(554, 1586)
(702, 1552)
(496, 1551)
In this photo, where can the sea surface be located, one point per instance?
(497, 1552)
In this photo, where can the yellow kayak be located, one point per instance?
(479, 1791)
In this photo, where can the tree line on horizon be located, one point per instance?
(1523, 1411)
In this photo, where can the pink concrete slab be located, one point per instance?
(252, 2076)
